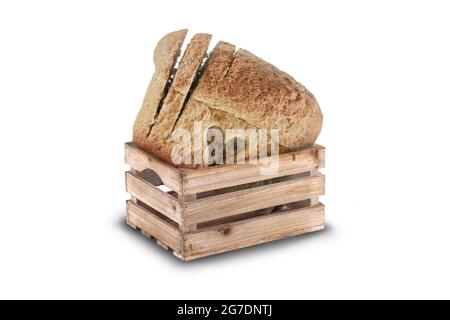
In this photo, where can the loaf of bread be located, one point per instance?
(227, 89)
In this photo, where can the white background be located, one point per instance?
(72, 79)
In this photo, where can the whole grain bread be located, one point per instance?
(164, 57)
(265, 97)
(180, 87)
(232, 90)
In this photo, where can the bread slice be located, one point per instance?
(218, 62)
(217, 66)
(181, 85)
(215, 70)
(265, 97)
(165, 57)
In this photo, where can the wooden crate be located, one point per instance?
(191, 212)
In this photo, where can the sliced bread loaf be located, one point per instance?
(179, 90)
(165, 57)
(233, 90)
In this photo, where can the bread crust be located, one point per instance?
(265, 97)
(164, 57)
(180, 87)
(236, 90)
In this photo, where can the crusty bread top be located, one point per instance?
(233, 90)
(175, 100)
(164, 57)
(217, 66)
(167, 51)
(190, 63)
(265, 97)
(183, 80)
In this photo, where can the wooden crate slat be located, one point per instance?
(247, 200)
(140, 160)
(195, 219)
(253, 231)
(152, 225)
(154, 197)
(205, 179)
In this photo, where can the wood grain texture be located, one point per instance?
(141, 160)
(314, 200)
(153, 226)
(254, 231)
(196, 225)
(247, 200)
(223, 176)
(154, 197)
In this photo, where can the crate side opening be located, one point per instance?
(157, 214)
(257, 213)
(250, 185)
